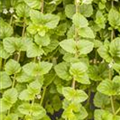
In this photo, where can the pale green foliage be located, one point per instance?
(59, 59)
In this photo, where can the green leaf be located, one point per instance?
(115, 48)
(9, 45)
(34, 50)
(98, 73)
(100, 19)
(5, 29)
(86, 32)
(3, 53)
(52, 46)
(69, 10)
(101, 100)
(10, 96)
(12, 67)
(22, 10)
(4, 106)
(114, 18)
(48, 20)
(51, 20)
(40, 68)
(78, 70)
(35, 110)
(116, 67)
(75, 96)
(5, 80)
(12, 44)
(102, 115)
(26, 96)
(33, 3)
(87, 1)
(79, 20)
(74, 111)
(37, 28)
(62, 70)
(22, 77)
(32, 90)
(104, 52)
(8, 99)
(49, 78)
(109, 87)
(68, 45)
(42, 40)
(86, 10)
(84, 47)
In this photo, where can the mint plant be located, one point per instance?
(59, 60)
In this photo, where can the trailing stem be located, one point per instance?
(77, 2)
(42, 7)
(43, 95)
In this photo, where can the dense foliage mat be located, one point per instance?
(59, 60)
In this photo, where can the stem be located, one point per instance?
(77, 2)
(42, 7)
(24, 27)
(43, 95)
(118, 110)
(112, 34)
(112, 3)
(14, 80)
(112, 104)
(11, 19)
(18, 57)
(0, 63)
(73, 83)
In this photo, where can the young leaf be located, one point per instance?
(100, 19)
(12, 67)
(5, 29)
(48, 20)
